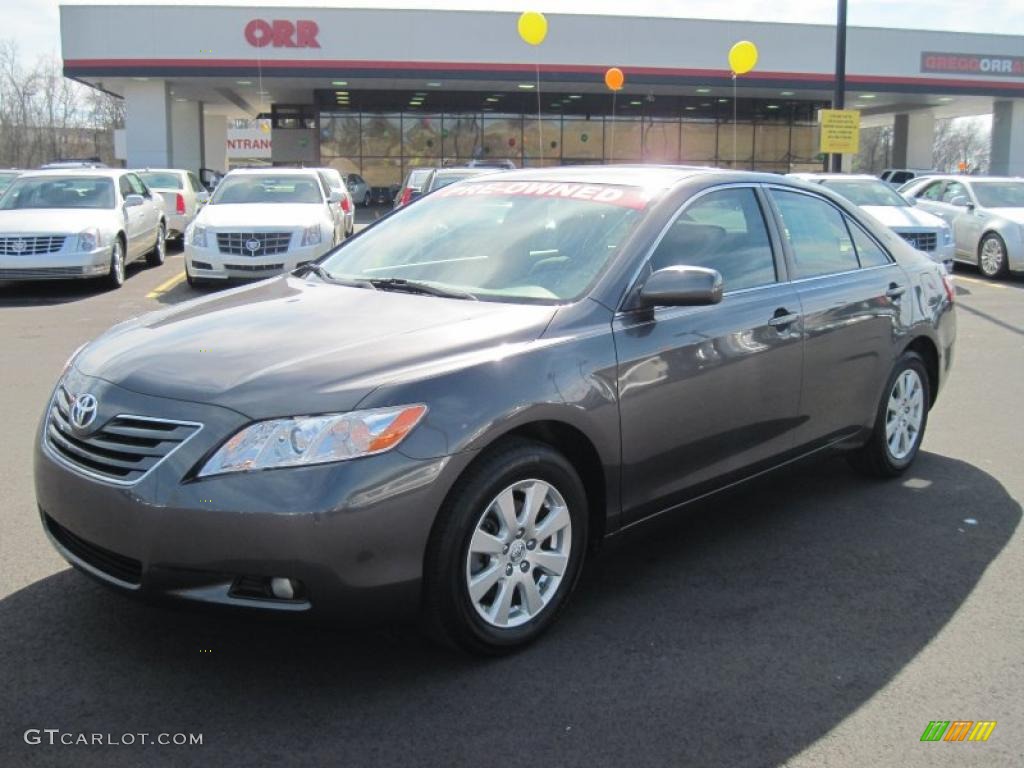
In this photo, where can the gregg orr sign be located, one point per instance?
(972, 64)
(279, 33)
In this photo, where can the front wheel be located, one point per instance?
(366, 200)
(992, 256)
(158, 255)
(116, 277)
(506, 551)
(899, 423)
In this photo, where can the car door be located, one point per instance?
(961, 217)
(705, 392)
(134, 220)
(151, 211)
(852, 295)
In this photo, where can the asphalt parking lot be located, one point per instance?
(814, 620)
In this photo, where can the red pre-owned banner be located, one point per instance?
(972, 64)
(622, 196)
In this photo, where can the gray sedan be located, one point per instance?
(443, 415)
(986, 214)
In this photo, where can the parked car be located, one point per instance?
(986, 214)
(359, 189)
(346, 208)
(503, 165)
(897, 177)
(412, 188)
(921, 229)
(261, 222)
(441, 416)
(183, 194)
(442, 177)
(79, 223)
(6, 177)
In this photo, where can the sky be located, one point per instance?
(34, 23)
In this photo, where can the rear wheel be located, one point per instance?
(899, 423)
(992, 256)
(158, 255)
(366, 199)
(115, 279)
(506, 551)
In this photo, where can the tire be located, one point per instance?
(115, 279)
(158, 255)
(992, 259)
(195, 282)
(896, 422)
(514, 471)
(366, 199)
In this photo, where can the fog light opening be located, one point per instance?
(283, 588)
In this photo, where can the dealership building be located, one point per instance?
(377, 91)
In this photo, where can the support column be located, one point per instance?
(186, 135)
(215, 142)
(1007, 157)
(913, 139)
(148, 124)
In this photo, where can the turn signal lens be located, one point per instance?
(306, 440)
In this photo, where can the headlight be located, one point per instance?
(89, 239)
(304, 440)
(311, 235)
(198, 238)
(947, 236)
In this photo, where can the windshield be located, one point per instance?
(58, 192)
(156, 180)
(1000, 194)
(444, 179)
(268, 188)
(521, 241)
(6, 179)
(417, 178)
(866, 192)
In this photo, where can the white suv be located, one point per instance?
(261, 222)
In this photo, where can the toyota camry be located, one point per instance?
(440, 417)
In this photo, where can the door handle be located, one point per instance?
(782, 318)
(895, 291)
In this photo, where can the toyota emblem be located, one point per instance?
(19, 246)
(83, 410)
(252, 245)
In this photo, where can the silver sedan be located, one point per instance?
(986, 214)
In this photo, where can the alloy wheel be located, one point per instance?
(992, 256)
(904, 414)
(117, 263)
(519, 553)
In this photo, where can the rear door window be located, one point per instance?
(817, 234)
(932, 191)
(869, 253)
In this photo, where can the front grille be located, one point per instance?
(40, 273)
(123, 568)
(123, 450)
(253, 243)
(923, 241)
(254, 267)
(32, 245)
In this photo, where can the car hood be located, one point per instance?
(263, 216)
(898, 216)
(288, 346)
(58, 220)
(1012, 214)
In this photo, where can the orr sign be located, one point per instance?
(972, 64)
(280, 33)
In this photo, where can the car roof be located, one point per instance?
(465, 170)
(111, 173)
(274, 171)
(961, 177)
(637, 175)
(159, 170)
(834, 176)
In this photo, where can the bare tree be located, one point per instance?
(875, 150)
(962, 145)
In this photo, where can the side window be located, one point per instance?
(722, 230)
(886, 175)
(954, 189)
(901, 176)
(932, 192)
(869, 252)
(821, 244)
(138, 188)
(125, 186)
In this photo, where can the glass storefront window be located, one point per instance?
(661, 141)
(382, 135)
(461, 137)
(736, 149)
(503, 138)
(624, 140)
(803, 151)
(771, 146)
(699, 143)
(382, 171)
(421, 137)
(339, 136)
(545, 142)
(582, 139)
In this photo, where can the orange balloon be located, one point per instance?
(614, 79)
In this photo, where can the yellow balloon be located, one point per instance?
(533, 27)
(742, 57)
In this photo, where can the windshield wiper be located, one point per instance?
(415, 286)
(327, 277)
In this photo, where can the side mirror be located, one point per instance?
(682, 287)
(960, 201)
(134, 201)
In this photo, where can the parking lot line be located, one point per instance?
(976, 281)
(166, 285)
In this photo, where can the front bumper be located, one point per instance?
(210, 263)
(61, 265)
(352, 535)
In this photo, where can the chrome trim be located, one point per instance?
(53, 454)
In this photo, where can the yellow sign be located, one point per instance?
(840, 131)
